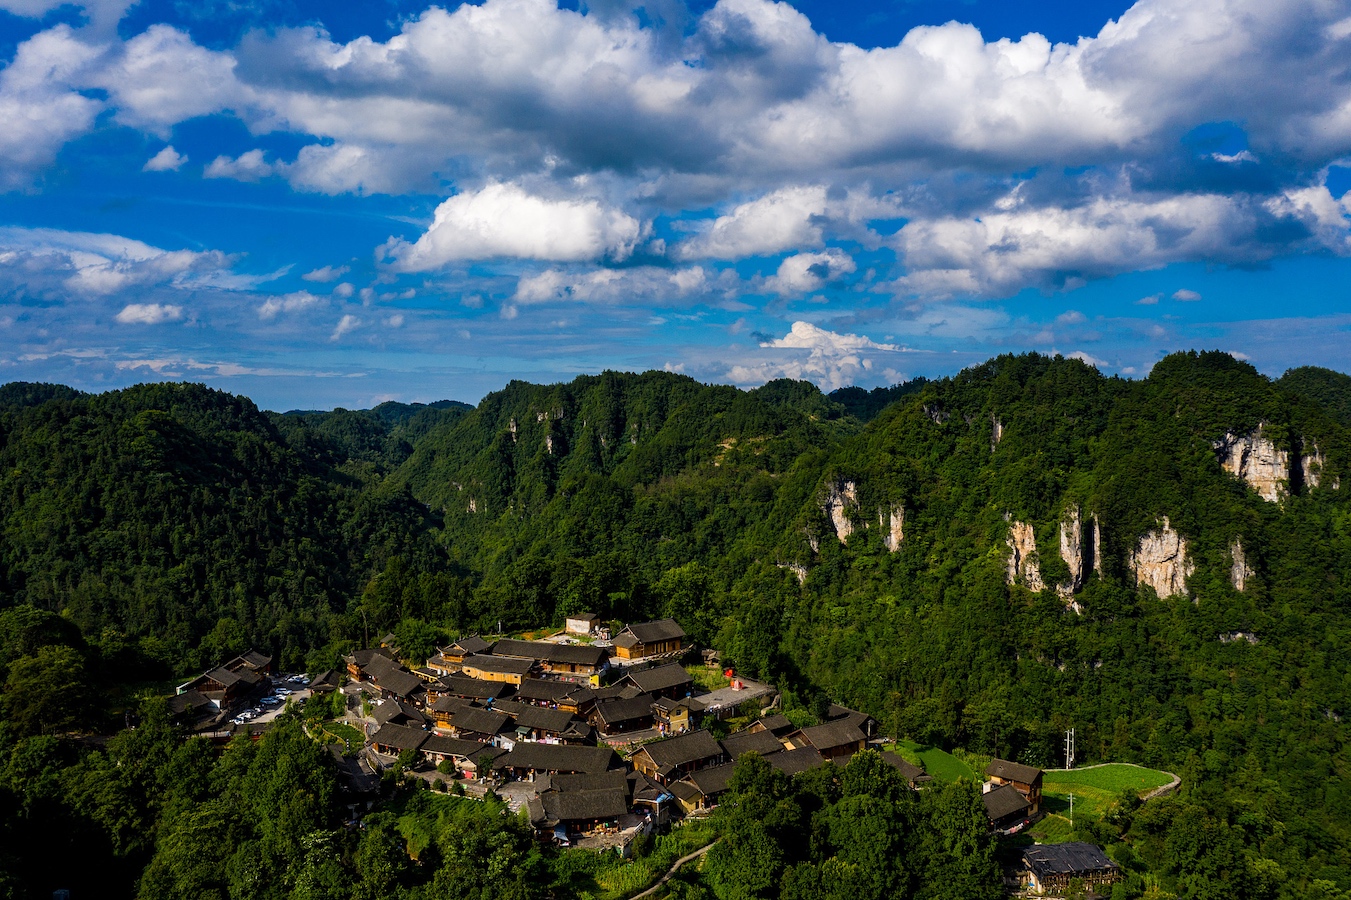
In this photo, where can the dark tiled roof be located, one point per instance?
(326, 678)
(594, 781)
(1004, 801)
(520, 649)
(449, 704)
(577, 655)
(909, 771)
(1012, 771)
(506, 665)
(558, 758)
(1075, 858)
(468, 645)
(398, 682)
(189, 699)
(612, 712)
(685, 791)
(542, 689)
(779, 724)
(256, 659)
(474, 688)
(712, 781)
(399, 737)
(393, 709)
(791, 762)
(374, 655)
(660, 678)
(762, 742)
(449, 746)
(584, 806)
(654, 632)
(686, 748)
(482, 721)
(833, 734)
(554, 721)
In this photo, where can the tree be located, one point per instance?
(48, 692)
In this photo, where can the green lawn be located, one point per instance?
(938, 763)
(1097, 788)
(345, 733)
(708, 679)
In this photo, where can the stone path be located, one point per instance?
(674, 868)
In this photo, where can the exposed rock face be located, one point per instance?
(1239, 573)
(996, 431)
(1022, 542)
(1160, 561)
(1097, 546)
(549, 444)
(797, 569)
(1230, 637)
(1311, 466)
(841, 498)
(1256, 459)
(892, 521)
(1073, 551)
(936, 414)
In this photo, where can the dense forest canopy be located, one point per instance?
(854, 545)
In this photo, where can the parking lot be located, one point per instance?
(285, 688)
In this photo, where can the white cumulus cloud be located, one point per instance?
(832, 360)
(287, 303)
(167, 160)
(250, 166)
(502, 220)
(149, 313)
(805, 272)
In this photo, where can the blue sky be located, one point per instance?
(320, 206)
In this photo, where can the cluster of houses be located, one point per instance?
(550, 714)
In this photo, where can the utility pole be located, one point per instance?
(1071, 810)
(1069, 749)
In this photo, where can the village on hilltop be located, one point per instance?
(599, 739)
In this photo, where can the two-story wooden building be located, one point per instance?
(1025, 779)
(649, 639)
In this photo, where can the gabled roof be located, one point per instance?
(364, 658)
(480, 721)
(689, 747)
(555, 721)
(449, 746)
(505, 665)
(543, 689)
(256, 660)
(393, 709)
(326, 678)
(791, 762)
(654, 632)
(1074, 858)
(188, 700)
(659, 678)
(909, 771)
(612, 712)
(583, 617)
(585, 781)
(227, 678)
(520, 649)
(450, 704)
(558, 758)
(583, 806)
(399, 682)
(474, 688)
(713, 780)
(467, 645)
(833, 734)
(776, 724)
(577, 655)
(1012, 771)
(1004, 801)
(762, 742)
(400, 737)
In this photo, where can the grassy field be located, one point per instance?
(1094, 791)
(938, 763)
(345, 732)
(708, 679)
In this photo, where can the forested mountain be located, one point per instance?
(979, 561)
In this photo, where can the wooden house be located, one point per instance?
(669, 680)
(675, 716)
(534, 723)
(466, 688)
(746, 741)
(394, 739)
(777, 725)
(361, 660)
(649, 639)
(1005, 807)
(701, 790)
(486, 726)
(666, 761)
(506, 669)
(1026, 779)
(912, 773)
(527, 760)
(1050, 868)
(438, 748)
(326, 682)
(543, 692)
(793, 762)
(448, 659)
(840, 739)
(623, 715)
(399, 713)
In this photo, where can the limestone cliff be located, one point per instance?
(891, 519)
(1022, 541)
(1311, 465)
(1074, 551)
(1239, 572)
(1256, 459)
(1160, 561)
(841, 497)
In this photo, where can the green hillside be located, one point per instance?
(835, 546)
